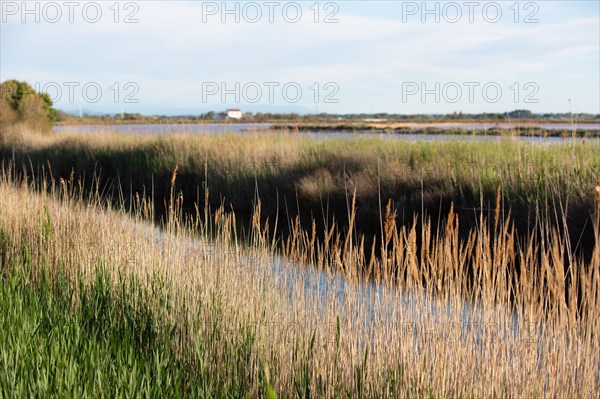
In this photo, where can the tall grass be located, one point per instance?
(314, 179)
(440, 315)
(63, 341)
(314, 169)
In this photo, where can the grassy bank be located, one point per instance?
(206, 317)
(316, 180)
(85, 313)
(59, 340)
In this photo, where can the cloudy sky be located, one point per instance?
(340, 57)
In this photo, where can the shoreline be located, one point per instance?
(556, 130)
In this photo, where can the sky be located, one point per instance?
(190, 57)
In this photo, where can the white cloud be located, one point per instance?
(171, 46)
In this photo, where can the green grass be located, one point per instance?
(56, 341)
(98, 341)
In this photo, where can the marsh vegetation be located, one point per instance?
(105, 291)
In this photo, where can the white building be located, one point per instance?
(234, 114)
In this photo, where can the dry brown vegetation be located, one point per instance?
(487, 315)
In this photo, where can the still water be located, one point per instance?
(263, 129)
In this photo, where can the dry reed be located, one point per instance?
(434, 315)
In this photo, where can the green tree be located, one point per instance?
(20, 103)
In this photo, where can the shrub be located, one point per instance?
(21, 104)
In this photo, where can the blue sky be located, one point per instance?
(372, 56)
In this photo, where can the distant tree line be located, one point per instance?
(21, 104)
(211, 117)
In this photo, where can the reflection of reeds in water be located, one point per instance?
(489, 315)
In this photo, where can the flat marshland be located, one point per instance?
(97, 299)
(298, 176)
